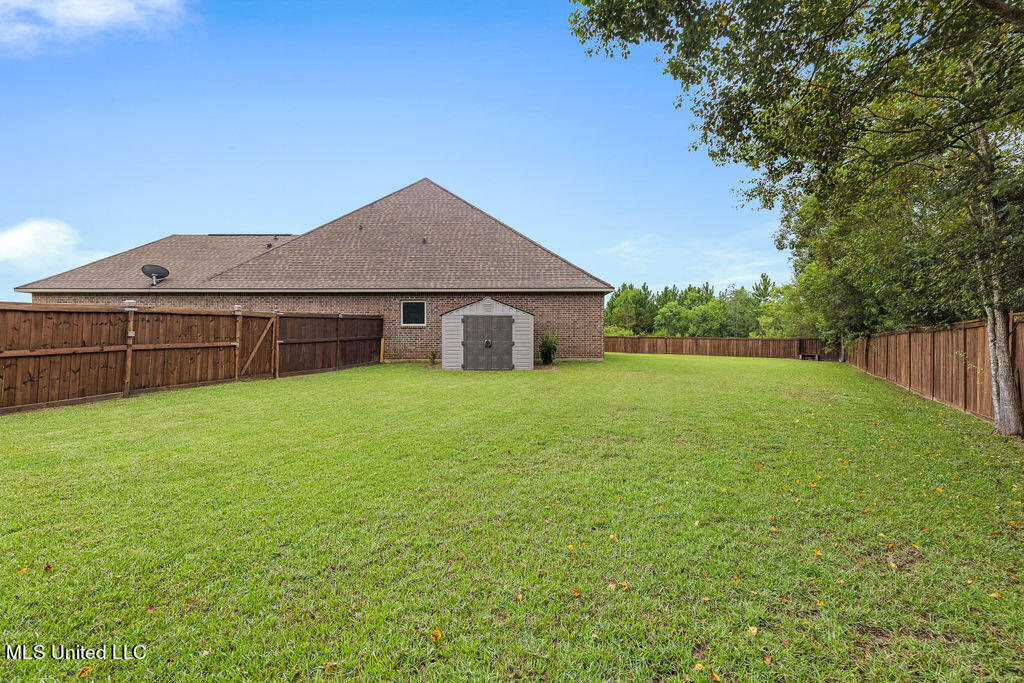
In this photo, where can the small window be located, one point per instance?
(414, 313)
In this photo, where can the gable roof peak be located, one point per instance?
(421, 237)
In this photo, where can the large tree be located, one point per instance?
(739, 312)
(828, 99)
(631, 308)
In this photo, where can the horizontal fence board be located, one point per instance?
(63, 354)
(949, 364)
(746, 347)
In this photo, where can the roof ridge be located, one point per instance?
(302, 237)
(262, 253)
(510, 228)
(324, 225)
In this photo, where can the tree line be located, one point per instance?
(888, 133)
(764, 310)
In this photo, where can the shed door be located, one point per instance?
(487, 342)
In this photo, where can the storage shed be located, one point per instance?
(487, 335)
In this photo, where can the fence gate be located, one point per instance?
(810, 349)
(256, 336)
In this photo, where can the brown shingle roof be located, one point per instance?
(421, 237)
(191, 259)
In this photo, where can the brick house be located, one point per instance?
(410, 256)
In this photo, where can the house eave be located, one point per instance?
(326, 290)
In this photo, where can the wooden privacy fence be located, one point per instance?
(56, 354)
(792, 347)
(950, 365)
(315, 342)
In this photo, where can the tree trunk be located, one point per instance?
(1006, 402)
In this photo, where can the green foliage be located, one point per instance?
(672, 319)
(694, 295)
(707, 320)
(763, 289)
(786, 314)
(823, 96)
(548, 347)
(696, 311)
(890, 133)
(613, 331)
(432, 356)
(901, 258)
(666, 295)
(632, 308)
(739, 312)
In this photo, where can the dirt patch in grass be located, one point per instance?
(876, 635)
(928, 637)
(693, 439)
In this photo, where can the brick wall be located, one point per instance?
(577, 319)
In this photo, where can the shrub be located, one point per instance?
(614, 331)
(548, 346)
(433, 357)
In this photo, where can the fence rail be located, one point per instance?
(949, 364)
(61, 354)
(748, 347)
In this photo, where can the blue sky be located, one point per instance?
(127, 120)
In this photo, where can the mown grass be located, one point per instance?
(327, 525)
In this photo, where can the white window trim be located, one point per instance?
(401, 313)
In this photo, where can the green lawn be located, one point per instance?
(636, 518)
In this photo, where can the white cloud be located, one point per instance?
(635, 254)
(723, 258)
(738, 259)
(43, 246)
(27, 24)
(738, 266)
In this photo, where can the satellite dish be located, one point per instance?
(155, 273)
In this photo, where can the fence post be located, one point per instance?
(909, 360)
(238, 338)
(931, 375)
(1013, 351)
(963, 351)
(337, 340)
(276, 332)
(129, 342)
(888, 356)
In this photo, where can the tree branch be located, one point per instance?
(1007, 12)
